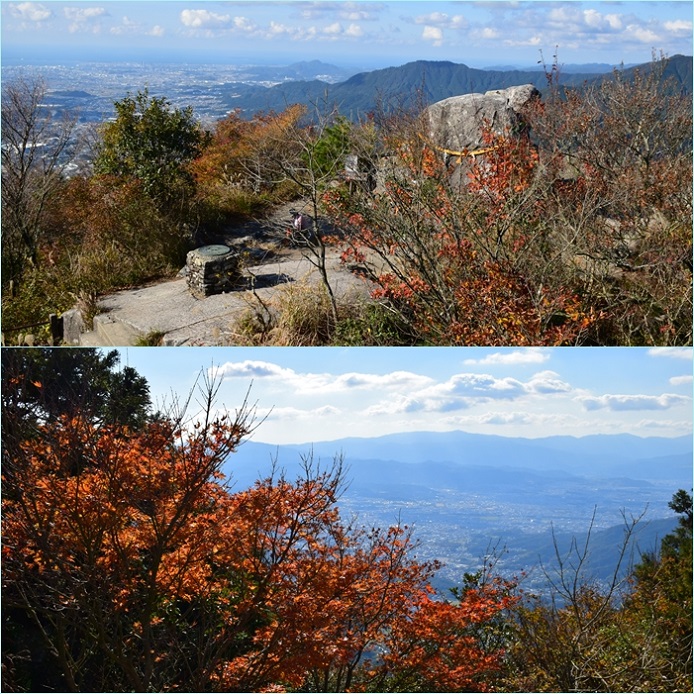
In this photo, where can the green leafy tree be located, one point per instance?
(632, 635)
(659, 611)
(327, 156)
(151, 142)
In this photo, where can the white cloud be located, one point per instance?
(30, 11)
(277, 29)
(595, 20)
(314, 383)
(433, 18)
(679, 27)
(350, 11)
(354, 31)
(489, 33)
(448, 404)
(251, 369)
(84, 18)
(395, 379)
(464, 390)
(621, 403)
(615, 21)
(433, 34)
(199, 19)
(681, 380)
(477, 386)
(336, 30)
(398, 405)
(129, 26)
(458, 22)
(355, 16)
(84, 14)
(527, 356)
(641, 34)
(672, 352)
(505, 418)
(126, 26)
(244, 24)
(547, 382)
(295, 413)
(532, 41)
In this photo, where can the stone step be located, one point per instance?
(114, 333)
(90, 339)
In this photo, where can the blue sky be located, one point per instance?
(322, 394)
(361, 33)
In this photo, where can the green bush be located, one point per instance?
(372, 325)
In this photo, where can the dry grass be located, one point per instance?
(299, 315)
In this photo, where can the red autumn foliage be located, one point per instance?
(454, 263)
(139, 568)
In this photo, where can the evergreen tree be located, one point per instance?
(151, 142)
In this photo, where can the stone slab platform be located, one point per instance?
(170, 309)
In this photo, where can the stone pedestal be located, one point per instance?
(212, 270)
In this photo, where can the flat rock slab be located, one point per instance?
(170, 308)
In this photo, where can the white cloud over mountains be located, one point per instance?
(539, 403)
(633, 402)
(317, 394)
(460, 31)
(400, 392)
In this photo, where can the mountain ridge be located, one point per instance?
(598, 455)
(430, 81)
(475, 490)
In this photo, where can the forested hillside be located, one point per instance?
(423, 81)
(573, 227)
(130, 564)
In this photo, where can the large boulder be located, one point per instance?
(456, 123)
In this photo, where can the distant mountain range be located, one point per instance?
(429, 81)
(466, 492)
(599, 456)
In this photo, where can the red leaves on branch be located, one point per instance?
(463, 264)
(128, 541)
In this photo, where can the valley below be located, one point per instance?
(472, 499)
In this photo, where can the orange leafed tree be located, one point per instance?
(461, 265)
(129, 564)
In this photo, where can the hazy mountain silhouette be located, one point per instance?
(598, 456)
(464, 492)
(422, 80)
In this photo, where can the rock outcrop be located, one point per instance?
(455, 124)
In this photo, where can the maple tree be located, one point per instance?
(129, 563)
(455, 262)
(238, 171)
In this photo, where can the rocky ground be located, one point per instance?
(168, 314)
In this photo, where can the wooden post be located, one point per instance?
(56, 328)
